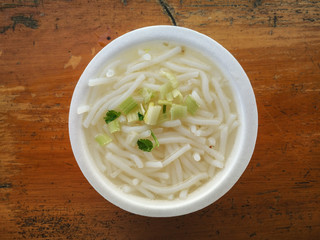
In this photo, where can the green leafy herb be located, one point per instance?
(111, 115)
(145, 145)
(155, 139)
(140, 116)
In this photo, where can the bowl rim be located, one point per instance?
(247, 107)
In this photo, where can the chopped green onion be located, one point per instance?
(155, 139)
(114, 126)
(142, 109)
(164, 102)
(102, 139)
(169, 96)
(152, 114)
(164, 108)
(178, 111)
(191, 104)
(133, 116)
(171, 77)
(145, 145)
(177, 94)
(140, 116)
(147, 94)
(163, 117)
(164, 90)
(128, 105)
(111, 115)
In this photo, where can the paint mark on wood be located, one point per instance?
(27, 21)
(124, 2)
(93, 51)
(29, 3)
(5, 185)
(73, 62)
(257, 3)
(275, 19)
(167, 10)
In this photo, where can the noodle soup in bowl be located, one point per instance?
(163, 121)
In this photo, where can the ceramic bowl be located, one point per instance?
(244, 142)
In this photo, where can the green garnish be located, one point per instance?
(164, 90)
(114, 126)
(171, 78)
(145, 145)
(155, 139)
(178, 111)
(127, 105)
(164, 108)
(111, 115)
(152, 114)
(133, 116)
(140, 116)
(147, 94)
(191, 104)
(103, 139)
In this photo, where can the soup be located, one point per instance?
(160, 120)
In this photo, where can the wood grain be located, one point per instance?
(45, 46)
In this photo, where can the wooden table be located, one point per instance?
(44, 48)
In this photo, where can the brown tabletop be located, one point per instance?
(44, 48)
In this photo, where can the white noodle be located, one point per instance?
(154, 164)
(178, 169)
(199, 121)
(154, 87)
(223, 140)
(82, 109)
(183, 194)
(187, 76)
(116, 150)
(119, 162)
(213, 162)
(128, 92)
(138, 129)
(205, 114)
(139, 188)
(177, 68)
(162, 175)
(145, 134)
(177, 154)
(195, 63)
(187, 164)
(100, 81)
(156, 60)
(172, 123)
(178, 187)
(205, 87)
(222, 98)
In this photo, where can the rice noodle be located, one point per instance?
(160, 58)
(175, 188)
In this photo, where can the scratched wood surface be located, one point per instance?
(45, 46)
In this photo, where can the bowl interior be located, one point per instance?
(244, 141)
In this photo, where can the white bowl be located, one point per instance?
(244, 142)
